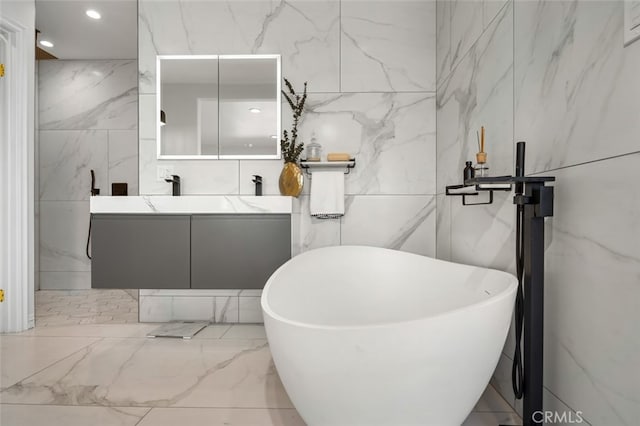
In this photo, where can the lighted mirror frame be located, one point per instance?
(276, 156)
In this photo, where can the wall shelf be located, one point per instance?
(310, 166)
(475, 188)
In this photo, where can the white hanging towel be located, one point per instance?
(327, 194)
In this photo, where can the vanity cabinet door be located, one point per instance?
(238, 251)
(140, 251)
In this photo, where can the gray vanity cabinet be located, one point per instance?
(140, 251)
(236, 250)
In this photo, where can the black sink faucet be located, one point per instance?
(175, 181)
(257, 179)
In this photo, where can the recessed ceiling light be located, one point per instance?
(93, 14)
(254, 110)
(46, 43)
(274, 137)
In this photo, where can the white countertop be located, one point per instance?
(191, 204)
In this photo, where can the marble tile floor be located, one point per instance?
(91, 306)
(111, 374)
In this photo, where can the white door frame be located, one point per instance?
(17, 219)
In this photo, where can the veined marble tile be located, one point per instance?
(93, 330)
(296, 232)
(22, 356)
(245, 331)
(160, 373)
(490, 419)
(207, 292)
(87, 306)
(156, 309)
(315, 233)
(510, 344)
(551, 403)
(409, 223)
(443, 40)
(492, 402)
(250, 310)
(592, 296)
(65, 164)
(222, 416)
(123, 159)
(87, 95)
(479, 92)
(134, 293)
(64, 226)
(218, 309)
(197, 177)
(213, 331)
(466, 27)
(175, 308)
(443, 226)
(305, 33)
(225, 309)
(484, 235)
(388, 46)
(391, 135)
(56, 415)
(192, 308)
(296, 205)
(148, 119)
(576, 86)
(491, 8)
(251, 292)
(501, 379)
(69, 280)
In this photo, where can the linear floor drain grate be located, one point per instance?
(181, 330)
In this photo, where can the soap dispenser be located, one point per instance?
(469, 172)
(314, 149)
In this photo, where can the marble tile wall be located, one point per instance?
(88, 118)
(393, 41)
(371, 73)
(215, 306)
(555, 74)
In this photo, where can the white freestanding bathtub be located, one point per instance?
(369, 336)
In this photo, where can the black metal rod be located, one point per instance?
(519, 165)
(533, 309)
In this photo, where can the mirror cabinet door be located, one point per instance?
(249, 109)
(188, 102)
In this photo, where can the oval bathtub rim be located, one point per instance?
(511, 289)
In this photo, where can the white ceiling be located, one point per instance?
(76, 36)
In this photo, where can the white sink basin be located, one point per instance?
(188, 204)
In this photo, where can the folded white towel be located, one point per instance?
(327, 194)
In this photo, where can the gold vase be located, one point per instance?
(291, 180)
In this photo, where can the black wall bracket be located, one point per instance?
(465, 191)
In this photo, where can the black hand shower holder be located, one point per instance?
(534, 201)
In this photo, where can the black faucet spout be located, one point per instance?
(257, 179)
(175, 184)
